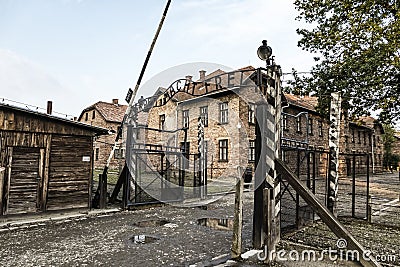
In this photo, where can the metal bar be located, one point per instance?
(297, 194)
(162, 171)
(308, 169)
(313, 172)
(367, 198)
(132, 99)
(353, 190)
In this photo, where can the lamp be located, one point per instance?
(264, 52)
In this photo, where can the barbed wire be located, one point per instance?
(34, 108)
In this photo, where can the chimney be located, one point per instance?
(115, 101)
(49, 107)
(189, 77)
(202, 75)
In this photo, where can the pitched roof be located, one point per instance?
(306, 102)
(47, 117)
(110, 112)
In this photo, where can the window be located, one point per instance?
(310, 126)
(284, 156)
(352, 136)
(185, 148)
(119, 132)
(223, 150)
(252, 113)
(204, 115)
(223, 112)
(185, 116)
(96, 153)
(359, 137)
(161, 123)
(365, 137)
(252, 150)
(298, 124)
(94, 114)
(86, 116)
(320, 129)
(119, 153)
(284, 122)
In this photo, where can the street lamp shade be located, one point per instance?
(264, 51)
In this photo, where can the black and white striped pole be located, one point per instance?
(201, 150)
(334, 139)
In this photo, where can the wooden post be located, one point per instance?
(238, 217)
(369, 209)
(260, 175)
(103, 191)
(269, 214)
(46, 171)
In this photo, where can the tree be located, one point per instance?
(358, 47)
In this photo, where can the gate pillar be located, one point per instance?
(266, 223)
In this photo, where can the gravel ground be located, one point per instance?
(108, 240)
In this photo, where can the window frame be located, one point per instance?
(251, 114)
(204, 115)
(223, 113)
(161, 122)
(252, 151)
(298, 124)
(320, 129)
(185, 118)
(310, 126)
(223, 150)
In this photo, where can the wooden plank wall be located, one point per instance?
(25, 180)
(69, 174)
(57, 160)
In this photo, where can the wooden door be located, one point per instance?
(25, 178)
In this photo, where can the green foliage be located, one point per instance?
(358, 44)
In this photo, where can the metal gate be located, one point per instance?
(310, 165)
(162, 173)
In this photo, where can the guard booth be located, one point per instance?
(46, 162)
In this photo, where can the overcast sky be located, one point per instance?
(78, 52)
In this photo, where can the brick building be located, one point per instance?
(229, 121)
(109, 116)
(360, 137)
(303, 128)
(396, 145)
(228, 116)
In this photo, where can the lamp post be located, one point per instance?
(264, 52)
